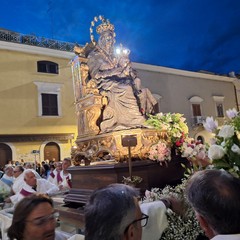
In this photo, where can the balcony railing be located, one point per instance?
(35, 41)
(199, 120)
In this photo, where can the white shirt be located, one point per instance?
(50, 178)
(77, 237)
(64, 182)
(227, 237)
(16, 187)
(18, 183)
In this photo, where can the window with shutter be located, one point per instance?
(49, 104)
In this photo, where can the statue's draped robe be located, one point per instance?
(122, 110)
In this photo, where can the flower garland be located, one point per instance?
(183, 227)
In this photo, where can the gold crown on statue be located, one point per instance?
(103, 27)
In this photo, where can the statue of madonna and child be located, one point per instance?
(128, 103)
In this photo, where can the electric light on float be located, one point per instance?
(121, 51)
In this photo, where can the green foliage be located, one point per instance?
(172, 123)
(134, 181)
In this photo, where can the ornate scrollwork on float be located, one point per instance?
(92, 115)
(109, 146)
(91, 87)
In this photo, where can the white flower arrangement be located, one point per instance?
(224, 152)
(216, 152)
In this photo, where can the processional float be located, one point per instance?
(113, 141)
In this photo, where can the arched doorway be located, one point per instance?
(5, 154)
(201, 139)
(52, 152)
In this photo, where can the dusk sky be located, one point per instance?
(183, 34)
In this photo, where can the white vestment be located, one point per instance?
(16, 187)
(43, 186)
(63, 180)
(18, 183)
(52, 176)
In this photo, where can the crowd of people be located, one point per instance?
(213, 194)
(113, 212)
(19, 181)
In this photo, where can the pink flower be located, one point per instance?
(201, 154)
(160, 152)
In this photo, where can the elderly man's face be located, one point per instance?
(40, 224)
(30, 179)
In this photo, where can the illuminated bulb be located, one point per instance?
(118, 51)
(125, 51)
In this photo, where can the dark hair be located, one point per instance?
(22, 211)
(109, 211)
(68, 159)
(215, 195)
(52, 166)
(20, 168)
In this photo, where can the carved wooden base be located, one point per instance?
(110, 146)
(85, 179)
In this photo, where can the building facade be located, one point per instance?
(194, 94)
(36, 102)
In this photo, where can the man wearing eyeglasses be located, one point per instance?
(113, 212)
(34, 218)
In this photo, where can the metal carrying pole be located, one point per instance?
(129, 141)
(130, 162)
